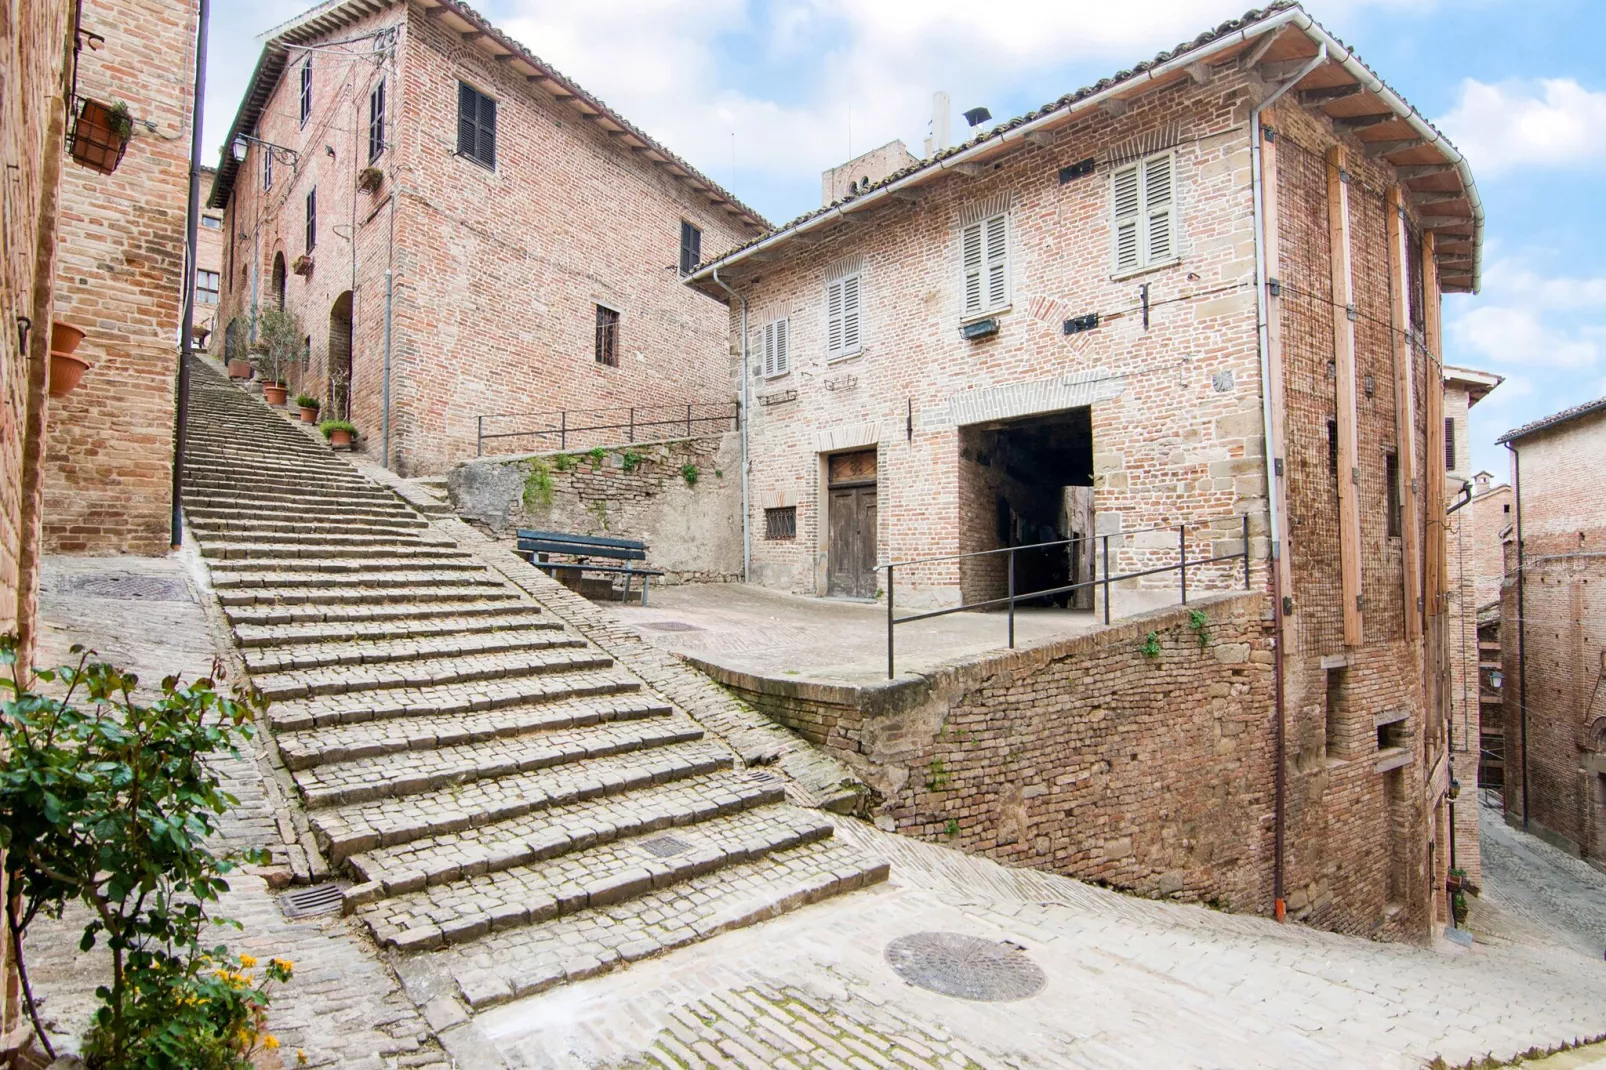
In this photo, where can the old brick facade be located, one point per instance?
(1003, 329)
(502, 263)
(1553, 642)
(208, 271)
(108, 483)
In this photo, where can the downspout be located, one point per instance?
(1274, 484)
(187, 323)
(747, 532)
(1522, 627)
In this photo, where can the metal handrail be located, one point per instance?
(1181, 567)
(634, 419)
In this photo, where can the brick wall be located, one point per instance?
(208, 257)
(120, 278)
(1082, 755)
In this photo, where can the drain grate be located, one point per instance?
(307, 902)
(129, 585)
(670, 626)
(965, 966)
(665, 846)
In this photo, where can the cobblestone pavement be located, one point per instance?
(1533, 890)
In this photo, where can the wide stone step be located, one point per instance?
(209, 488)
(423, 672)
(419, 591)
(220, 508)
(344, 566)
(393, 775)
(356, 707)
(266, 526)
(597, 877)
(365, 826)
(558, 830)
(523, 961)
(253, 636)
(370, 739)
(397, 540)
(260, 477)
(464, 575)
(357, 615)
(333, 554)
(370, 652)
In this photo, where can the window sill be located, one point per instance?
(777, 377)
(993, 313)
(843, 358)
(1146, 269)
(489, 169)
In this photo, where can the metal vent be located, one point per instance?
(665, 846)
(311, 901)
(965, 966)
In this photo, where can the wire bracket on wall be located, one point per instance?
(1143, 293)
(1274, 287)
(909, 419)
(842, 382)
(780, 397)
(1078, 324)
(1079, 169)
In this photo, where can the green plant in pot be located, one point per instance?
(100, 135)
(281, 341)
(309, 407)
(340, 433)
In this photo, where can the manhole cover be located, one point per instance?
(306, 902)
(664, 846)
(965, 966)
(670, 626)
(131, 586)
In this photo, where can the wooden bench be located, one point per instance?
(534, 546)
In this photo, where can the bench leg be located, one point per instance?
(646, 582)
(627, 586)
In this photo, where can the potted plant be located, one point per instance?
(100, 134)
(1458, 908)
(303, 265)
(1456, 880)
(369, 178)
(339, 433)
(66, 369)
(239, 368)
(282, 342)
(309, 406)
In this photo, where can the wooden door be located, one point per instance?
(852, 558)
(1078, 525)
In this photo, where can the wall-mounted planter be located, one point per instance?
(100, 134)
(369, 179)
(65, 368)
(303, 266)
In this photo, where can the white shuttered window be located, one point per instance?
(985, 245)
(844, 331)
(777, 349)
(1144, 206)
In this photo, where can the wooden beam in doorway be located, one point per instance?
(1405, 416)
(1349, 472)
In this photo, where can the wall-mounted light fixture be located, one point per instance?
(243, 143)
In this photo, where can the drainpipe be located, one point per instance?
(747, 533)
(1522, 627)
(1274, 486)
(187, 323)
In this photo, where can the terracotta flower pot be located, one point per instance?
(239, 369)
(64, 337)
(309, 416)
(97, 140)
(65, 371)
(340, 440)
(275, 393)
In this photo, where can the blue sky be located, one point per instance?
(762, 97)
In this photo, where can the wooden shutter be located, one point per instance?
(376, 122)
(972, 243)
(312, 218)
(1159, 208)
(843, 333)
(1127, 219)
(1449, 443)
(467, 119)
(777, 359)
(850, 314)
(487, 132)
(997, 262)
(833, 317)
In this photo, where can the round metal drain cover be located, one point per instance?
(130, 586)
(670, 626)
(965, 966)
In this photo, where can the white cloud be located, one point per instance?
(1551, 122)
(1527, 319)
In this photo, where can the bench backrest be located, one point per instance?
(557, 542)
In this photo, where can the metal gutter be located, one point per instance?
(747, 376)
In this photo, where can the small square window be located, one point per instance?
(781, 523)
(212, 222)
(206, 286)
(1391, 492)
(607, 336)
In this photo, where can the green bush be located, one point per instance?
(307, 401)
(630, 460)
(598, 455)
(1200, 623)
(564, 462)
(537, 485)
(690, 473)
(1151, 645)
(329, 427)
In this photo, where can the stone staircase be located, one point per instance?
(502, 793)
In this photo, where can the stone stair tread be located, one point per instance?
(559, 829)
(479, 695)
(225, 553)
(341, 566)
(327, 538)
(356, 613)
(366, 739)
(235, 579)
(272, 596)
(424, 672)
(278, 635)
(302, 657)
(516, 962)
(594, 877)
(346, 829)
(409, 773)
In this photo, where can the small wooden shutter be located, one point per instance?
(777, 359)
(833, 318)
(1128, 220)
(850, 314)
(312, 218)
(376, 121)
(972, 243)
(1159, 208)
(487, 133)
(997, 262)
(1449, 443)
(842, 319)
(476, 125)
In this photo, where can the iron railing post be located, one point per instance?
(632, 423)
(563, 430)
(1182, 543)
(1012, 598)
(1246, 552)
(688, 421)
(1106, 578)
(479, 436)
(891, 670)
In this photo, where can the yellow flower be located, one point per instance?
(270, 1042)
(283, 964)
(301, 1057)
(247, 961)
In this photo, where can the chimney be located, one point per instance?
(939, 136)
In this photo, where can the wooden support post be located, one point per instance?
(1436, 553)
(1276, 441)
(1349, 473)
(1416, 603)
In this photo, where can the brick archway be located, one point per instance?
(340, 366)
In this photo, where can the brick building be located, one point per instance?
(1050, 332)
(208, 270)
(463, 231)
(1553, 631)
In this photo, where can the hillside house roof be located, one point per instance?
(1553, 420)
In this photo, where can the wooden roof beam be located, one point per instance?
(1423, 200)
(1361, 122)
(1434, 222)
(1424, 170)
(1315, 98)
(971, 170)
(472, 35)
(1258, 53)
(435, 12)
(1276, 72)
(1041, 138)
(1383, 148)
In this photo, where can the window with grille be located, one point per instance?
(1391, 490)
(986, 254)
(267, 168)
(312, 218)
(206, 286)
(306, 89)
(844, 332)
(777, 346)
(1332, 447)
(691, 247)
(476, 125)
(780, 523)
(1144, 212)
(607, 336)
(376, 121)
(1449, 443)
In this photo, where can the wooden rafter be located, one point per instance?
(1349, 517)
(1405, 413)
(1315, 98)
(1383, 148)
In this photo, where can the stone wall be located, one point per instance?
(692, 531)
(120, 277)
(1082, 755)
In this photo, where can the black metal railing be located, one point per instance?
(563, 428)
(1103, 580)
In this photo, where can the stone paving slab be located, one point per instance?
(376, 651)
(451, 589)
(366, 614)
(443, 698)
(552, 656)
(274, 635)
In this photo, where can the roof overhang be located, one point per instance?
(1555, 420)
(1476, 383)
(1276, 44)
